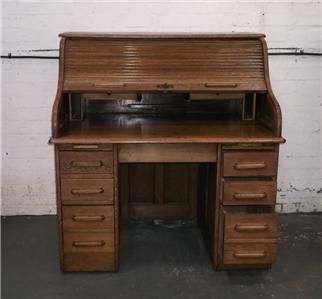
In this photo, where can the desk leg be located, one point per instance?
(116, 208)
(218, 230)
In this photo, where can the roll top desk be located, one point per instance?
(167, 126)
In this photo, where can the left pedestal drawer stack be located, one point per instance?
(87, 207)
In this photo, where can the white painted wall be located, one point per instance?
(29, 85)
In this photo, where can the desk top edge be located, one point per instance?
(161, 140)
(152, 35)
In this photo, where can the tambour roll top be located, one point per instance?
(217, 67)
(164, 62)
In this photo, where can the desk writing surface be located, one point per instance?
(148, 130)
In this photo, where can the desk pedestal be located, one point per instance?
(229, 190)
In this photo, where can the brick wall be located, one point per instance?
(29, 85)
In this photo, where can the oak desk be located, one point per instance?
(165, 126)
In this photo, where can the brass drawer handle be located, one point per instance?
(260, 254)
(251, 227)
(250, 165)
(87, 218)
(165, 86)
(83, 146)
(242, 196)
(89, 191)
(220, 85)
(86, 163)
(89, 243)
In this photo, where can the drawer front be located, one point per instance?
(247, 226)
(86, 162)
(83, 261)
(249, 253)
(88, 217)
(249, 193)
(76, 242)
(87, 191)
(85, 147)
(253, 163)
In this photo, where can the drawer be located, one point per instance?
(249, 193)
(253, 163)
(247, 226)
(86, 162)
(89, 252)
(88, 242)
(85, 147)
(88, 217)
(84, 261)
(244, 253)
(87, 191)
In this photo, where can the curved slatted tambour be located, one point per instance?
(163, 64)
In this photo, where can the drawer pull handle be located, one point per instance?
(255, 255)
(86, 163)
(88, 218)
(107, 86)
(165, 86)
(250, 165)
(251, 227)
(89, 243)
(242, 196)
(83, 146)
(89, 191)
(220, 85)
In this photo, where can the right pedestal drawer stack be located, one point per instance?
(248, 222)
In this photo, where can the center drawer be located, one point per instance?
(252, 163)
(87, 191)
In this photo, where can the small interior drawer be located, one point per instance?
(88, 242)
(88, 217)
(87, 191)
(110, 96)
(252, 163)
(253, 192)
(86, 162)
(247, 226)
(244, 253)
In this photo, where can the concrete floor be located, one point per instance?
(159, 262)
